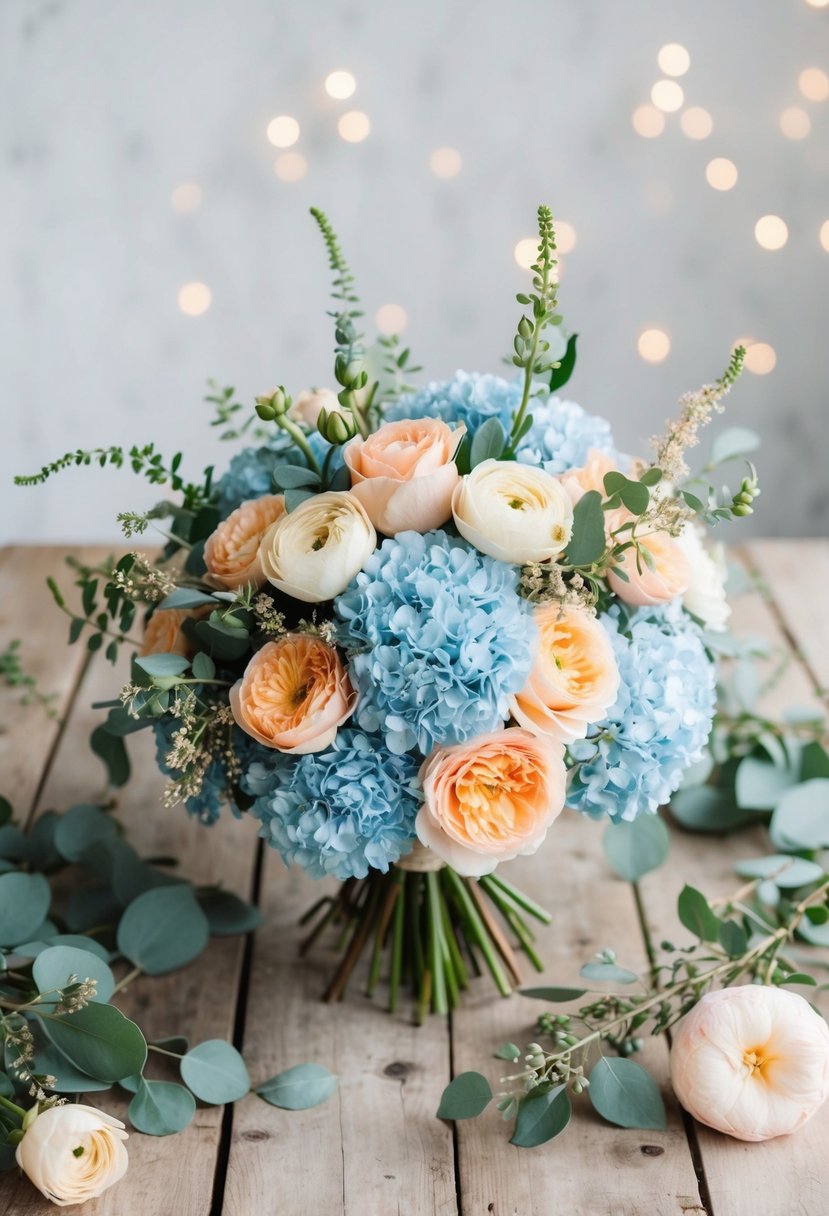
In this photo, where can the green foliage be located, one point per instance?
(227, 914)
(215, 1072)
(161, 1108)
(531, 350)
(562, 372)
(801, 817)
(226, 415)
(634, 849)
(56, 967)
(487, 443)
(99, 1041)
(696, 915)
(625, 1094)
(299, 1088)
(465, 1097)
(542, 1115)
(24, 903)
(553, 994)
(13, 674)
(587, 542)
(144, 935)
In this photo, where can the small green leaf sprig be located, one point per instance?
(14, 675)
(730, 946)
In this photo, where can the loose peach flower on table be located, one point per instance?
(314, 552)
(513, 512)
(309, 404)
(574, 679)
(404, 474)
(491, 799)
(73, 1153)
(661, 576)
(294, 695)
(231, 553)
(751, 1061)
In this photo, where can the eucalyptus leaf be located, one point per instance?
(53, 967)
(113, 751)
(215, 1072)
(701, 808)
(625, 1094)
(161, 1108)
(68, 1079)
(487, 442)
(784, 871)
(733, 938)
(304, 1086)
(295, 498)
(186, 597)
(635, 848)
(508, 1051)
(608, 973)
(163, 929)
(24, 902)
(80, 828)
(465, 1097)
(733, 442)
(814, 761)
(553, 994)
(162, 665)
(801, 820)
(566, 365)
(227, 914)
(99, 1040)
(541, 1117)
(587, 541)
(696, 915)
(294, 476)
(203, 667)
(759, 784)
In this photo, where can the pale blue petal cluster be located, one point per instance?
(441, 638)
(562, 436)
(250, 472)
(660, 723)
(340, 812)
(468, 398)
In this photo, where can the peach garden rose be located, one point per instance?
(491, 799)
(294, 695)
(751, 1061)
(163, 633)
(73, 1153)
(574, 679)
(231, 553)
(660, 577)
(404, 474)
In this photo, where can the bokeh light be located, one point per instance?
(653, 345)
(354, 126)
(290, 167)
(391, 319)
(761, 358)
(648, 121)
(525, 251)
(283, 131)
(565, 236)
(721, 173)
(817, 3)
(445, 162)
(186, 197)
(824, 235)
(795, 123)
(340, 85)
(696, 122)
(673, 59)
(194, 298)
(813, 84)
(667, 95)
(771, 232)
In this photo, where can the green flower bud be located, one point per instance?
(525, 327)
(335, 427)
(274, 404)
(264, 409)
(740, 509)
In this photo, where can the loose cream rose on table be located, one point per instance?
(309, 404)
(404, 474)
(73, 1153)
(294, 695)
(313, 553)
(231, 553)
(513, 512)
(751, 1061)
(491, 799)
(705, 596)
(661, 576)
(574, 679)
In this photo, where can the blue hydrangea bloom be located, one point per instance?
(339, 812)
(466, 398)
(207, 805)
(250, 472)
(446, 639)
(562, 435)
(660, 722)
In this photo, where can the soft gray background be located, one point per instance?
(107, 106)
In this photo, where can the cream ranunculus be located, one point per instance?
(314, 552)
(751, 1061)
(309, 404)
(512, 511)
(705, 596)
(404, 474)
(73, 1153)
(231, 553)
(661, 577)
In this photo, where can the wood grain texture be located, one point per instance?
(796, 575)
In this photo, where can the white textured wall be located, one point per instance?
(108, 105)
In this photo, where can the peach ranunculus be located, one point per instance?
(294, 695)
(404, 474)
(589, 477)
(490, 799)
(73, 1153)
(751, 1061)
(574, 679)
(309, 404)
(231, 553)
(163, 633)
(665, 577)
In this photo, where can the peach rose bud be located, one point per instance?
(231, 553)
(404, 474)
(574, 679)
(163, 633)
(73, 1153)
(294, 695)
(751, 1061)
(490, 799)
(656, 582)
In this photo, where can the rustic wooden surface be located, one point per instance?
(375, 1148)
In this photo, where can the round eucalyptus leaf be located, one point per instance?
(24, 902)
(215, 1072)
(227, 914)
(307, 1085)
(625, 1094)
(52, 968)
(99, 1041)
(608, 973)
(80, 942)
(541, 1116)
(759, 784)
(634, 849)
(801, 820)
(161, 1108)
(81, 828)
(163, 929)
(701, 808)
(68, 1079)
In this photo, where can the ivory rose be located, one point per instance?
(231, 553)
(751, 1061)
(294, 695)
(314, 553)
(512, 511)
(404, 474)
(309, 404)
(163, 633)
(705, 596)
(663, 579)
(574, 679)
(73, 1153)
(491, 799)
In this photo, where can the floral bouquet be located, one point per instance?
(404, 628)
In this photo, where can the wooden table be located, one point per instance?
(376, 1148)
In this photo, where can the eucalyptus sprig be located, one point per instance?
(728, 949)
(14, 675)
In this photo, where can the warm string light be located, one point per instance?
(445, 162)
(283, 131)
(721, 173)
(186, 197)
(354, 126)
(290, 167)
(667, 95)
(648, 121)
(391, 319)
(653, 345)
(795, 123)
(194, 299)
(761, 358)
(824, 235)
(696, 122)
(771, 232)
(340, 85)
(525, 251)
(673, 59)
(813, 84)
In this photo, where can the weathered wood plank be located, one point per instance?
(592, 1167)
(797, 575)
(166, 1175)
(375, 1146)
(788, 1175)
